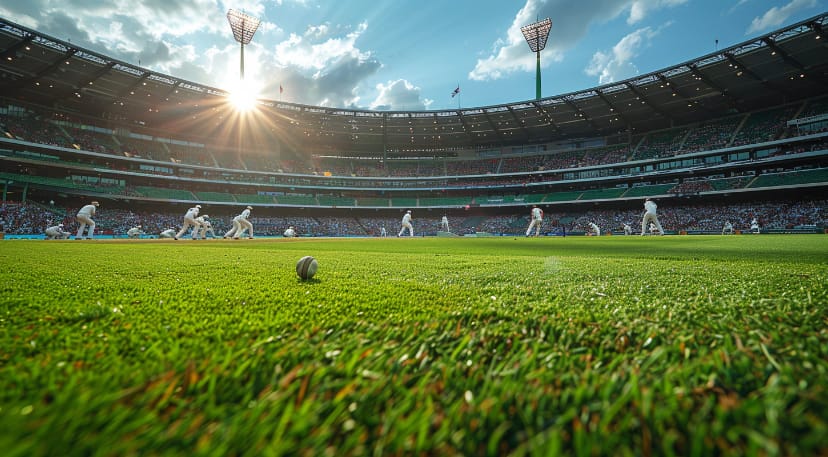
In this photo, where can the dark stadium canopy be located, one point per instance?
(784, 66)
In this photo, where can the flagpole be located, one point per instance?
(456, 93)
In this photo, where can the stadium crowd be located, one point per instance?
(57, 129)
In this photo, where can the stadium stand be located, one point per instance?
(734, 136)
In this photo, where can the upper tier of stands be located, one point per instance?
(677, 188)
(56, 129)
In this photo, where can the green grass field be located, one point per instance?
(686, 345)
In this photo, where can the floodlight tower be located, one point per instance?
(536, 35)
(244, 26)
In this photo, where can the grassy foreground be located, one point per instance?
(494, 346)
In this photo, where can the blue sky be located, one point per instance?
(403, 54)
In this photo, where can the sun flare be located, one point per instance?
(244, 95)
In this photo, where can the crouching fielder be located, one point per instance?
(650, 217)
(56, 233)
(84, 218)
(135, 232)
(169, 233)
(754, 225)
(240, 225)
(728, 228)
(189, 221)
(206, 227)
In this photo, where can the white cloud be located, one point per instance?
(398, 95)
(192, 40)
(618, 64)
(316, 49)
(776, 16)
(569, 25)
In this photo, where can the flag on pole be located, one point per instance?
(455, 91)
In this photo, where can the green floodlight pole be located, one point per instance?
(536, 35)
(244, 26)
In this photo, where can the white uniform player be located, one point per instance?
(56, 232)
(84, 218)
(290, 232)
(754, 225)
(595, 229)
(169, 233)
(240, 225)
(537, 221)
(728, 228)
(444, 224)
(627, 229)
(383, 232)
(206, 227)
(189, 221)
(135, 232)
(650, 217)
(406, 224)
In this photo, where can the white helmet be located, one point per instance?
(198, 206)
(250, 207)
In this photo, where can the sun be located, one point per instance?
(243, 95)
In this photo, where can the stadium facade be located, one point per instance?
(746, 123)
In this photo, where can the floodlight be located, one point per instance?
(244, 26)
(536, 35)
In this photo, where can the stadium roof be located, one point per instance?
(784, 66)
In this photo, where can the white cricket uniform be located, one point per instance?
(169, 233)
(754, 226)
(240, 224)
(56, 233)
(383, 232)
(189, 221)
(444, 224)
(290, 233)
(627, 229)
(84, 218)
(406, 224)
(206, 226)
(595, 228)
(135, 232)
(650, 216)
(537, 221)
(728, 228)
